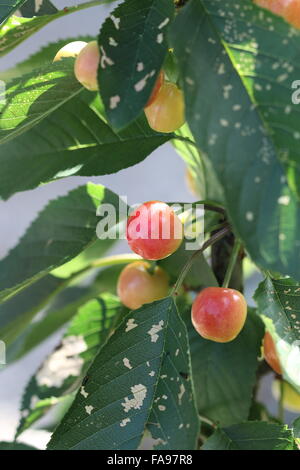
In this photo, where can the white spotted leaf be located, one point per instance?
(140, 379)
(62, 371)
(133, 46)
(227, 52)
(278, 303)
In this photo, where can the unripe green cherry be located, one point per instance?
(219, 314)
(86, 66)
(154, 231)
(137, 286)
(166, 113)
(70, 50)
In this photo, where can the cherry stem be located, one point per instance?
(232, 262)
(213, 239)
(208, 205)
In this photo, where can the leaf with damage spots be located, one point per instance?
(278, 303)
(62, 230)
(238, 105)
(79, 142)
(140, 379)
(251, 436)
(62, 371)
(133, 46)
(225, 374)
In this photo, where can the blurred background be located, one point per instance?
(139, 183)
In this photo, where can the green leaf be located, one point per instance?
(15, 446)
(225, 374)
(34, 8)
(278, 303)
(215, 62)
(135, 382)
(133, 46)
(17, 29)
(64, 228)
(79, 142)
(62, 371)
(40, 59)
(251, 436)
(296, 428)
(34, 96)
(8, 8)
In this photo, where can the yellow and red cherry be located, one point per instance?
(70, 50)
(154, 231)
(270, 353)
(166, 113)
(219, 314)
(86, 66)
(138, 286)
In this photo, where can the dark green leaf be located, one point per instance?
(8, 8)
(222, 48)
(225, 374)
(251, 436)
(133, 46)
(278, 303)
(296, 428)
(62, 371)
(34, 8)
(136, 382)
(61, 231)
(79, 142)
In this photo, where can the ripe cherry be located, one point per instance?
(288, 9)
(137, 286)
(219, 313)
(86, 66)
(70, 50)
(166, 113)
(154, 231)
(270, 353)
(158, 84)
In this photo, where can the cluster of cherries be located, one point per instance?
(218, 314)
(288, 9)
(165, 107)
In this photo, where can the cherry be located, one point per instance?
(219, 313)
(270, 353)
(166, 113)
(137, 286)
(86, 66)
(158, 84)
(154, 231)
(70, 50)
(288, 9)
